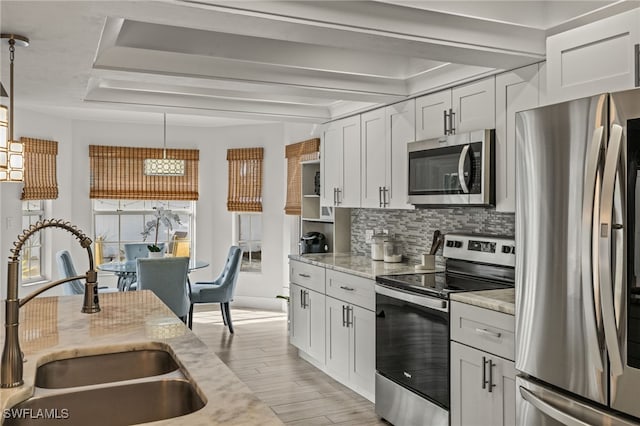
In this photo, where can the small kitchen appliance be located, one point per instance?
(453, 170)
(412, 313)
(313, 242)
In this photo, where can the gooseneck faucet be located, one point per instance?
(12, 358)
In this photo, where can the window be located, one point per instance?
(249, 238)
(31, 258)
(117, 222)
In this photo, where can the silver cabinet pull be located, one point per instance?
(302, 298)
(379, 196)
(349, 315)
(338, 197)
(344, 287)
(488, 332)
(344, 320)
(491, 384)
(385, 191)
(446, 132)
(637, 56)
(305, 275)
(452, 127)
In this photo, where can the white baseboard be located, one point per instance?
(268, 304)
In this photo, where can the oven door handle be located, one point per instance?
(421, 300)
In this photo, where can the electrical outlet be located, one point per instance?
(368, 235)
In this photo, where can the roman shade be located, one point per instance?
(117, 172)
(40, 177)
(295, 153)
(245, 179)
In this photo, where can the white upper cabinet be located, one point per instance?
(385, 134)
(595, 58)
(401, 129)
(474, 106)
(432, 115)
(340, 163)
(516, 90)
(461, 109)
(375, 157)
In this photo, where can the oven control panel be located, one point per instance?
(496, 250)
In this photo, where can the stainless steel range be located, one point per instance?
(412, 326)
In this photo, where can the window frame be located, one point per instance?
(145, 213)
(40, 214)
(244, 267)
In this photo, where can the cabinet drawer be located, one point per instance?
(306, 275)
(351, 289)
(487, 330)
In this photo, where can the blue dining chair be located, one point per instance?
(220, 290)
(67, 270)
(167, 278)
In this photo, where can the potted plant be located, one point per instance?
(164, 216)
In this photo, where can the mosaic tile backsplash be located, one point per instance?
(414, 228)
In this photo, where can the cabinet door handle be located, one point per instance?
(302, 298)
(446, 132)
(491, 384)
(344, 320)
(385, 191)
(344, 287)
(305, 275)
(452, 117)
(338, 192)
(490, 333)
(379, 196)
(484, 372)
(349, 312)
(335, 202)
(637, 51)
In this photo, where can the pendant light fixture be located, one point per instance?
(164, 166)
(11, 152)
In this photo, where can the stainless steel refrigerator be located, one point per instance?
(577, 262)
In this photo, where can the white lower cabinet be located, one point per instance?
(350, 343)
(483, 388)
(307, 321)
(483, 374)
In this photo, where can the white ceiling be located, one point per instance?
(221, 63)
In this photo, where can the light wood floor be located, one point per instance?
(259, 354)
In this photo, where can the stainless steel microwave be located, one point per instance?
(453, 170)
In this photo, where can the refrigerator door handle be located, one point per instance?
(589, 279)
(604, 248)
(549, 409)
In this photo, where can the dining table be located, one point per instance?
(126, 271)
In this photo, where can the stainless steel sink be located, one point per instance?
(127, 404)
(104, 368)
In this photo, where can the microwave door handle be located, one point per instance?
(590, 216)
(461, 160)
(606, 230)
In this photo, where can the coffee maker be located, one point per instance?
(313, 242)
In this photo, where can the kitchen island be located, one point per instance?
(54, 328)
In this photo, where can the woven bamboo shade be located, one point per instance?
(117, 172)
(295, 153)
(245, 179)
(40, 177)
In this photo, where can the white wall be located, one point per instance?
(214, 222)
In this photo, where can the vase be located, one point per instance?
(155, 254)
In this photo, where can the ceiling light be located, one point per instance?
(164, 166)
(11, 152)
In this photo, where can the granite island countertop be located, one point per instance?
(53, 328)
(355, 264)
(501, 300)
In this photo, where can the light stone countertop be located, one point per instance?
(53, 328)
(501, 300)
(359, 265)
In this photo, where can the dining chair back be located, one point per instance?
(167, 278)
(133, 251)
(220, 290)
(67, 270)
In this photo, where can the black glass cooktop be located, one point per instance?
(439, 284)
